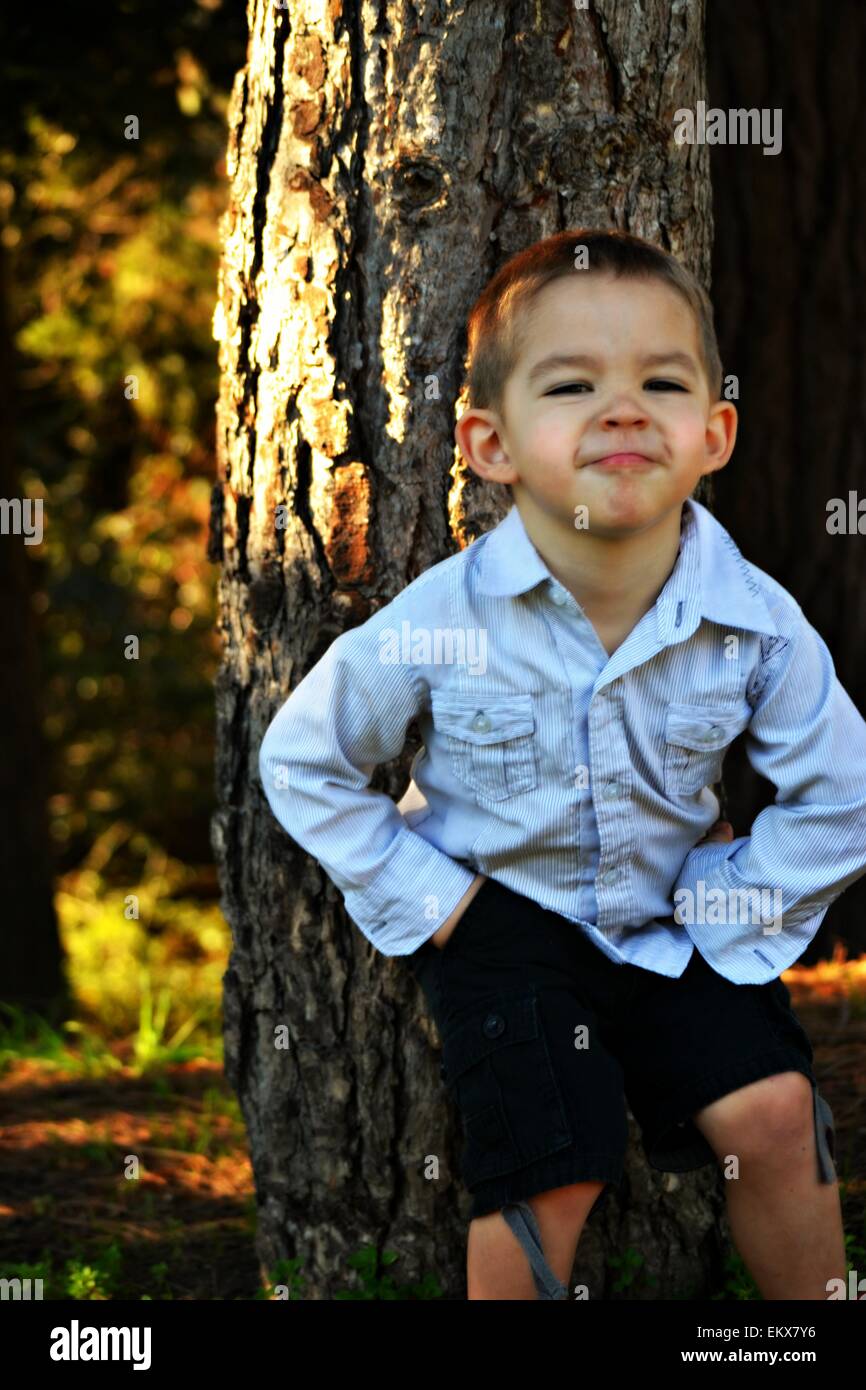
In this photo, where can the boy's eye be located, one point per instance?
(656, 383)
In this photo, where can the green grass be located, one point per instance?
(632, 1273)
(286, 1281)
(99, 1276)
(26, 1035)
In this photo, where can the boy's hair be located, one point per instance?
(495, 322)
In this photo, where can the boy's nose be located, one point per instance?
(624, 413)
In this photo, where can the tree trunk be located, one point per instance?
(382, 165)
(788, 256)
(31, 974)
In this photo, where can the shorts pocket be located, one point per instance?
(497, 1065)
(491, 741)
(428, 951)
(696, 740)
(471, 913)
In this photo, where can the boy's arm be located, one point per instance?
(806, 737)
(348, 714)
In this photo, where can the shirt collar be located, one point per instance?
(710, 578)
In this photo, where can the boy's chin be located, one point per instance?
(622, 518)
(623, 510)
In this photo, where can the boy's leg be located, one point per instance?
(786, 1224)
(497, 1266)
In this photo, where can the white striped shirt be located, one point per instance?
(578, 779)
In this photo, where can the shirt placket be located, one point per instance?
(578, 645)
(610, 779)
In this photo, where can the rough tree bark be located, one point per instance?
(383, 160)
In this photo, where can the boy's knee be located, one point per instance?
(761, 1120)
(548, 1226)
(577, 1199)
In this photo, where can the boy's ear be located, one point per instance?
(721, 435)
(477, 436)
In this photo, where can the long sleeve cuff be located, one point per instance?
(415, 890)
(742, 931)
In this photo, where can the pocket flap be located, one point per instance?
(704, 727)
(494, 1024)
(482, 718)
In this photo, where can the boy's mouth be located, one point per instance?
(621, 461)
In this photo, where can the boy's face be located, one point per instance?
(559, 419)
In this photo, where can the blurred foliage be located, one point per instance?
(119, 940)
(145, 961)
(112, 249)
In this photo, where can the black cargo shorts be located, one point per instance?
(544, 1040)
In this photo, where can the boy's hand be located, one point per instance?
(719, 834)
(441, 936)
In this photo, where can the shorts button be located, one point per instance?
(493, 1025)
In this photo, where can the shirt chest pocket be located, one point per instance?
(696, 740)
(491, 741)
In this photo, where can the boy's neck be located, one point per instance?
(614, 581)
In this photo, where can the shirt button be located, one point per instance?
(481, 724)
(559, 597)
(493, 1025)
(611, 790)
(610, 876)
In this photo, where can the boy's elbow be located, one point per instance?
(278, 767)
(267, 750)
(263, 762)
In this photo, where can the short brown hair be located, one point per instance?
(493, 330)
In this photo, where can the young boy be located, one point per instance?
(584, 929)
